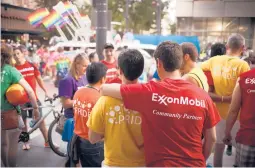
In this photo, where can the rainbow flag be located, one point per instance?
(51, 19)
(35, 18)
(61, 22)
(68, 7)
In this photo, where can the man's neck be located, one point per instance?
(126, 81)
(172, 75)
(234, 54)
(96, 86)
(21, 62)
(110, 60)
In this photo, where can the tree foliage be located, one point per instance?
(142, 14)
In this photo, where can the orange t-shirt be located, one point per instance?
(84, 100)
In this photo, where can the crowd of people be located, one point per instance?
(186, 111)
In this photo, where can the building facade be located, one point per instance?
(214, 20)
(14, 23)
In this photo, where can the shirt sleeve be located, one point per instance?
(205, 66)
(65, 88)
(212, 117)
(36, 71)
(245, 68)
(135, 96)
(15, 75)
(96, 119)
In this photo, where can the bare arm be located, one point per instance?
(233, 112)
(112, 90)
(209, 141)
(41, 84)
(31, 96)
(217, 98)
(94, 137)
(66, 102)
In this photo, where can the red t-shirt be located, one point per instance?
(112, 70)
(84, 101)
(30, 73)
(246, 134)
(209, 77)
(174, 115)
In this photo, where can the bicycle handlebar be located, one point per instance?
(46, 100)
(55, 96)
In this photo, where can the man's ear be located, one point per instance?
(103, 80)
(186, 57)
(159, 63)
(121, 73)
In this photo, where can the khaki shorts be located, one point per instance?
(220, 132)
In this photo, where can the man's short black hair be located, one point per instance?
(170, 54)
(218, 49)
(131, 63)
(191, 49)
(95, 72)
(108, 45)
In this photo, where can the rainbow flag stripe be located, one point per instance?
(36, 17)
(51, 19)
(68, 6)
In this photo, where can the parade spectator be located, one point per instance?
(93, 57)
(126, 127)
(90, 155)
(174, 113)
(9, 76)
(218, 49)
(32, 75)
(110, 62)
(243, 102)
(62, 64)
(225, 71)
(33, 57)
(69, 85)
(189, 69)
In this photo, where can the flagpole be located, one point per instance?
(75, 21)
(61, 33)
(69, 30)
(71, 26)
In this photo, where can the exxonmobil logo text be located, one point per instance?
(165, 100)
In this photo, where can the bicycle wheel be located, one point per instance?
(55, 140)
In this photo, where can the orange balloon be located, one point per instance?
(16, 95)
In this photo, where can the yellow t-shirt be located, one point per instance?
(121, 128)
(225, 71)
(198, 74)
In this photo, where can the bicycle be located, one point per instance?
(25, 136)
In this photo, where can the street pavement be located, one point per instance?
(38, 156)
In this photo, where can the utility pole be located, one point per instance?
(101, 25)
(158, 19)
(126, 15)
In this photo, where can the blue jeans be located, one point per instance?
(90, 155)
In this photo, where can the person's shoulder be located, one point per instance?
(9, 68)
(67, 78)
(248, 73)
